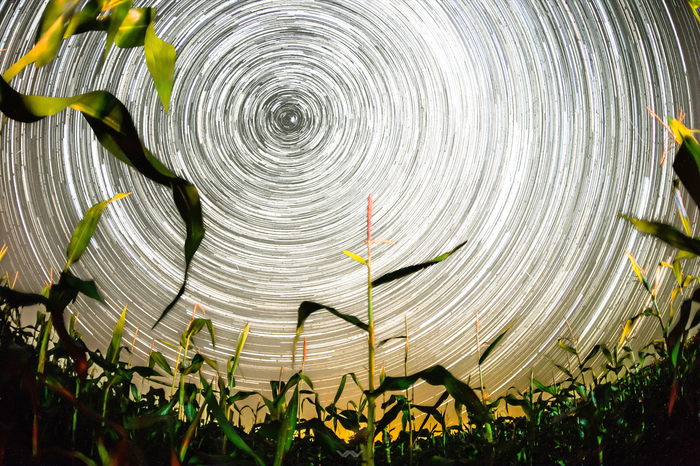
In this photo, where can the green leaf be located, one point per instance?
(629, 325)
(113, 349)
(194, 328)
(687, 167)
(157, 358)
(16, 299)
(562, 368)
(567, 347)
(188, 204)
(119, 9)
(307, 308)
(160, 59)
(190, 430)
(439, 376)
(287, 429)
(114, 128)
(492, 346)
(391, 276)
(384, 342)
(228, 429)
(132, 31)
(233, 362)
(85, 229)
(87, 287)
(197, 362)
(355, 256)
(47, 46)
(667, 234)
(592, 354)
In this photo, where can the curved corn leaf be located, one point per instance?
(228, 429)
(86, 228)
(439, 376)
(233, 361)
(391, 276)
(194, 328)
(113, 350)
(567, 347)
(592, 354)
(47, 46)
(125, 26)
(118, 12)
(629, 325)
(640, 274)
(387, 340)
(190, 430)
(687, 166)
(86, 287)
(115, 130)
(562, 368)
(160, 59)
(195, 365)
(492, 346)
(16, 299)
(667, 234)
(157, 358)
(355, 256)
(686, 310)
(308, 307)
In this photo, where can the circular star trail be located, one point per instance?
(520, 127)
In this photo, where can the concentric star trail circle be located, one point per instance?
(518, 126)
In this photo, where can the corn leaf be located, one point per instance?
(132, 31)
(113, 349)
(391, 276)
(47, 46)
(629, 325)
(86, 228)
(233, 362)
(16, 299)
(118, 12)
(640, 274)
(387, 340)
(687, 166)
(228, 429)
(190, 430)
(115, 130)
(308, 307)
(160, 59)
(287, 429)
(667, 234)
(439, 376)
(157, 358)
(355, 256)
(568, 348)
(492, 346)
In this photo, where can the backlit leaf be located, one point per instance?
(390, 277)
(113, 349)
(492, 346)
(439, 376)
(157, 358)
(307, 308)
(160, 59)
(355, 256)
(85, 229)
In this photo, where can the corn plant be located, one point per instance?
(107, 116)
(308, 307)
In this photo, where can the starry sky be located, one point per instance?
(517, 126)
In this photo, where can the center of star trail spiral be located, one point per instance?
(518, 126)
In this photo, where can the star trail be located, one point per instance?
(520, 127)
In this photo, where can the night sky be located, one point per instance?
(519, 127)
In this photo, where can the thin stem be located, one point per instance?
(369, 450)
